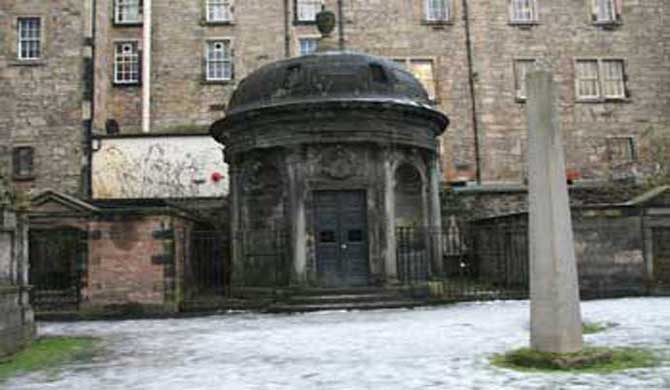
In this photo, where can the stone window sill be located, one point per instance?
(297, 22)
(437, 23)
(608, 25)
(38, 62)
(128, 24)
(214, 23)
(127, 85)
(218, 82)
(23, 177)
(603, 100)
(524, 25)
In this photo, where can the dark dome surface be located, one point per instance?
(329, 76)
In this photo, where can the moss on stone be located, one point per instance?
(596, 327)
(590, 359)
(47, 352)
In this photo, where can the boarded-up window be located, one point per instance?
(521, 69)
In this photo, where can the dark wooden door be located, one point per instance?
(661, 242)
(341, 234)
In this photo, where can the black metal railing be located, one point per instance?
(265, 257)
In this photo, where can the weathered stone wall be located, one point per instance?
(609, 244)
(41, 101)
(17, 326)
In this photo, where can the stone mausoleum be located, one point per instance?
(330, 155)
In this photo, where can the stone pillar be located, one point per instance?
(298, 228)
(390, 264)
(236, 232)
(555, 317)
(435, 216)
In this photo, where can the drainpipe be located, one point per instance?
(340, 24)
(287, 33)
(473, 97)
(88, 147)
(146, 68)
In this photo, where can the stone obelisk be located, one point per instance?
(555, 316)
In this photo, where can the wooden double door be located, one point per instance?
(341, 238)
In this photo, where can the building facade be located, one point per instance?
(75, 72)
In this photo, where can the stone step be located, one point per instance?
(303, 308)
(342, 298)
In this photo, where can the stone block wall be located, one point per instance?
(17, 326)
(135, 259)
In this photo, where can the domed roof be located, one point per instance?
(329, 76)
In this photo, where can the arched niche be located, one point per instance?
(409, 200)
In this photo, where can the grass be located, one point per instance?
(596, 327)
(590, 360)
(47, 352)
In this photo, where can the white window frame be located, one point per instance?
(406, 62)
(606, 12)
(515, 12)
(33, 39)
(224, 13)
(601, 78)
(308, 38)
(127, 58)
(433, 14)
(226, 62)
(122, 11)
(306, 10)
(520, 92)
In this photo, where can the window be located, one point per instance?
(600, 79)
(306, 10)
(437, 10)
(219, 10)
(126, 63)
(29, 33)
(521, 69)
(606, 11)
(219, 60)
(308, 45)
(422, 69)
(23, 162)
(523, 11)
(127, 11)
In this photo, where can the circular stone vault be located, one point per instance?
(334, 173)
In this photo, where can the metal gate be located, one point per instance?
(342, 240)
(661, 243)
(57, 262)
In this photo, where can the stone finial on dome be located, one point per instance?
(325, 22)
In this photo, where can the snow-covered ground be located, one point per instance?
(433, 348)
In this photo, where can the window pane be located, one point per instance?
(308, 45)
(437, 10)
(523, 10)
(29, 33)
(423, 70)
(219, 60)
(127, 11)
(307, 9)
(587, 79)
(613, 80)
(126, 63)
(606, 11)
(219, 10)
